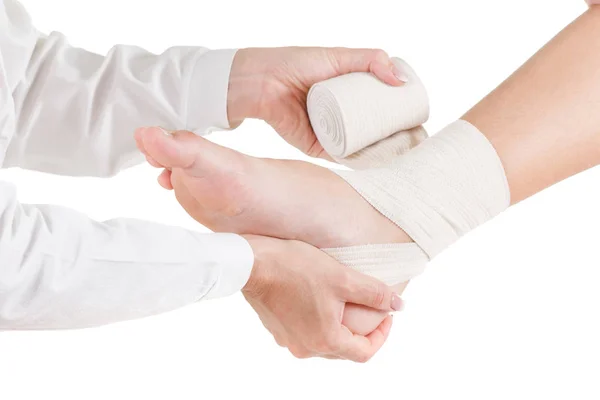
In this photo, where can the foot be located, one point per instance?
(231, 192)
(228, 191)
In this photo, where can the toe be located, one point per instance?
(169, 151)
(197, 156)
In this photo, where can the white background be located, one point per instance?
(510, 311)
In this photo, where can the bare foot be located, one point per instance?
(231, 192)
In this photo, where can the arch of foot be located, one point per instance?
(435, 188)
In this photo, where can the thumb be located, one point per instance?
(375, 61)
(371, 292)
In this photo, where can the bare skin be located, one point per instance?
(544, 122)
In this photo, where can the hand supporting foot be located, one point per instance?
(231, 192)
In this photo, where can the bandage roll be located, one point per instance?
(351, 112)
(385, 150)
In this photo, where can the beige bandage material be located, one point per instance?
(434, 188)
(440, 190)
(445, 187)
(361, 121)
(390, 263)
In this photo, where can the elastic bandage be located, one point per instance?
(437, 192)
(436, 188)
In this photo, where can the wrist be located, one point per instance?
(263, 250)
(246, 83)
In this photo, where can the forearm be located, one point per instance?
(75, 110)
(544, 120)
(61, 270)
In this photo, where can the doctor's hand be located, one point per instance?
(272, 84)
(300, 294)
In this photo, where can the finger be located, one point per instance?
(164, 180)
(279, 334)
(368, 291)
(301, 352)
(389, 73)
(282, 338)
(400, 288)
(361, 349)
(316, 149)
(169, 150)
(375, 61)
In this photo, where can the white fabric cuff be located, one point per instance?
(208, 88)
(233, 257)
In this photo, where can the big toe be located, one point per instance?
(184, 150)
(169, 150)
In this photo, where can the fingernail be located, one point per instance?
(398, 73)
(397, 303)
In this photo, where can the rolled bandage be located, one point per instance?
(437, 192)
(362, 122)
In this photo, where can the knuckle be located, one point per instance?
(379, 294)
(331, 341)
(280, 342)
(299, 352)
(334, 55)
(327, 343)
(343, 279)
(363, 358)
(317, 345)
(380, 55)
(372, 290)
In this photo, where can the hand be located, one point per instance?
(272, 84)
(300, 293)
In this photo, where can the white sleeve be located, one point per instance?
(61, 270)
(67, 111)
(76, 111)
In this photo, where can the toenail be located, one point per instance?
(166, 132)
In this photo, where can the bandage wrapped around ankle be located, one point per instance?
(362, 122)
(437, 192)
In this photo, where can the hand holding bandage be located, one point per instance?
(362, 122)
